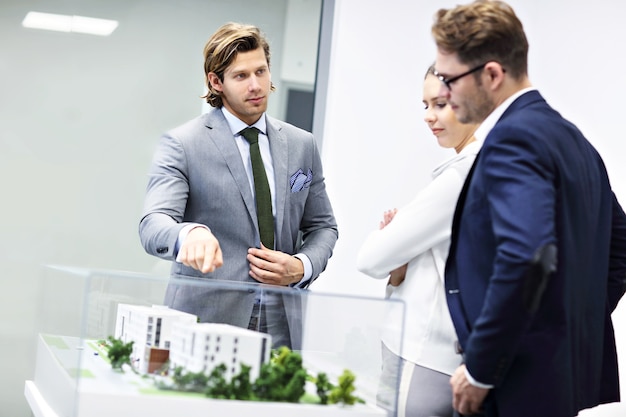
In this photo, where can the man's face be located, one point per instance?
(469, 98)
(246, 85)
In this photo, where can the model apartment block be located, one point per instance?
(200, 347)
(150, 328)
(160, 333)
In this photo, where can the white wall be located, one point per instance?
(377, 150)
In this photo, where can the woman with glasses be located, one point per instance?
(410, 249)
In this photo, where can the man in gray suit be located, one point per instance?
(200, 208)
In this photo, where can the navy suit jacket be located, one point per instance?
(537, 182)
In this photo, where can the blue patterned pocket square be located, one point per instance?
(299, 181)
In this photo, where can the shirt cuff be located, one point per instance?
(308, 269)
(475, 383)
(182, 235)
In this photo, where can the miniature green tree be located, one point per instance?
(342, 393)
(282, 379)
(323, 386)
(189, 381)
(266, 383)
(241, 388)
(217, 387)
(119, 352)
(295, 378)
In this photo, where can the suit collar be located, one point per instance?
(526, 97)
(491, 120)
(237, 125)
(214, 119)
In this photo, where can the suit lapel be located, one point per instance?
(458, 212)
(279, 147)
(222, 137)
(455, 304)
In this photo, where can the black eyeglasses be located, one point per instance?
(448, 81)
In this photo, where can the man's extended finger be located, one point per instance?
(218, 261)
(208, 255)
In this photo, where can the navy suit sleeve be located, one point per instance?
(617, 261)
(518, 180)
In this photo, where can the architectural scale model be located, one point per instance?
(150, 328)
(160, 333)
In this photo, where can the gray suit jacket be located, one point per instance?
(197, 176)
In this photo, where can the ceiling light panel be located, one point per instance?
(67, 23)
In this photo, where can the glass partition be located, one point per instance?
(80, 308)
(80, 116)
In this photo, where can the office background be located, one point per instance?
(80, 116)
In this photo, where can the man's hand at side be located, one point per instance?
(466, 398)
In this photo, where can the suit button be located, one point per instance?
(162, 250)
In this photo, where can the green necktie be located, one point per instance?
(261, 189)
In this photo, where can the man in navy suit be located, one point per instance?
(537, 261)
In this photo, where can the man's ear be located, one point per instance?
(214, 81)
(495, 71)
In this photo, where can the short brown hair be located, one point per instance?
(222, 48)
(483, 31)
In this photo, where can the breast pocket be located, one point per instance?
(300, 180)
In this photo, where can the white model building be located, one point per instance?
(200, 347)
(150, 328)
(160, 333)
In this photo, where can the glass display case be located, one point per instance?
(80, 308)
